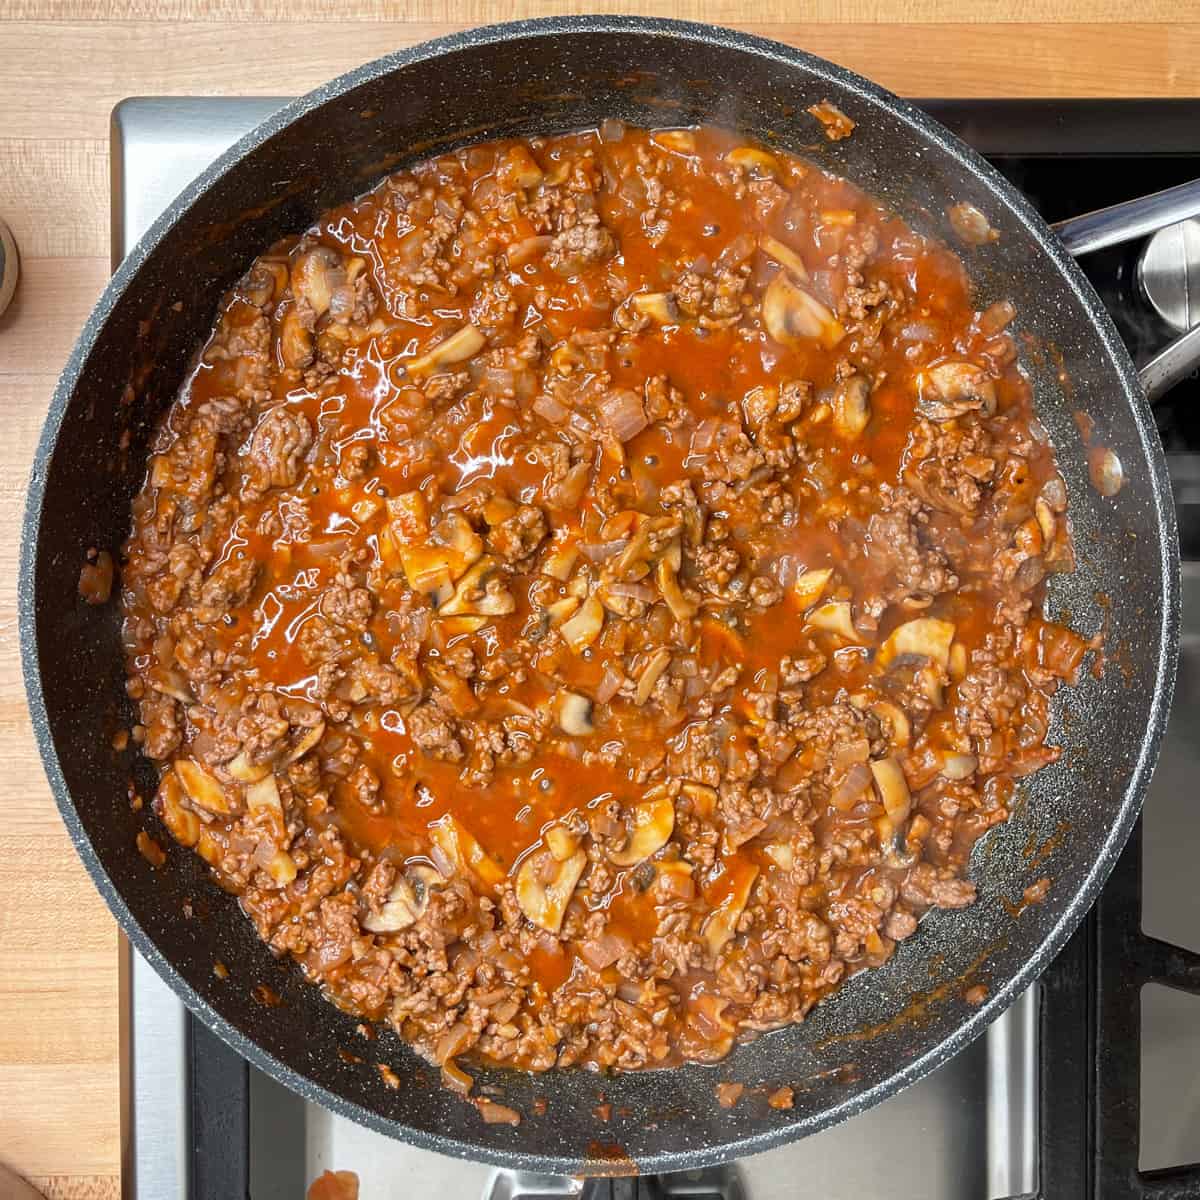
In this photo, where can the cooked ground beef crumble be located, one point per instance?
(586, 601)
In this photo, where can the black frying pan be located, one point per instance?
(556, 75)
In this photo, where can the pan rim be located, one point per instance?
(1125, 378)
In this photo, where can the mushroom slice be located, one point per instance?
(454, 531)
(834, 617)
(721, 924)
(171, 684)
(792, 314)
(545, 887)
(809, 587)
(926, 637)
(405, 906)
(893, 790)
(244, 771)
(653, 821)
(652, 672)
(477, 594)
(682, 609)
(462, 850)
(851, 407)
(582, 629)
(305, 742)
(784, 255)
(561, 842)
(754, 161)
(184, 825)
(953, 388)
(660, 307)
(956, 767)
(263, 794)
(201, 787)
(574, 714)
(678, 141)
(458, 347)
(428, 567)
(897, 719)
(558, 611)
(314, 276)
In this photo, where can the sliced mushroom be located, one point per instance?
(792, 314)
(926, 637)
(682, 609)
(458, 347)
(754, 161)
(170, 683)
(308, 738)
(956, 767)
(454, 531)
(581, 630)
(478, 594)
(574, 713)
(295, 340)
(702, 796)
(721, 924)
(184, 825)
(660, 307)
(953, 388)
(201, 787)
(652, 822)
(851, 406)
(893, 789)
(454, 688)
(545, 887)
(561, 842)
(810, 586)
(659, 661)
(244, 771)
(315, 275)
(463, 852)
(678, 141)
(897, 719)
(784, 255)
(558, 611)
(834, 617)
(405, 906)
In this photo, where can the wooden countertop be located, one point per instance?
(67, 63)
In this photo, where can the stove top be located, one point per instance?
(1017, 1112)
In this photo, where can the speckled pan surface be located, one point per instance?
(887, 1027)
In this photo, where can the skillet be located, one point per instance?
(885, 1028)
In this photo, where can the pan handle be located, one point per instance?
(1123, 223)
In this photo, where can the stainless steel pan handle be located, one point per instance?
(1122, 223)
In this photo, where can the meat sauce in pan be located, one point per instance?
(587, 598)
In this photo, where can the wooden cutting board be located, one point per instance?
(68, 62)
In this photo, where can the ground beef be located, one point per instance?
(571, 644)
